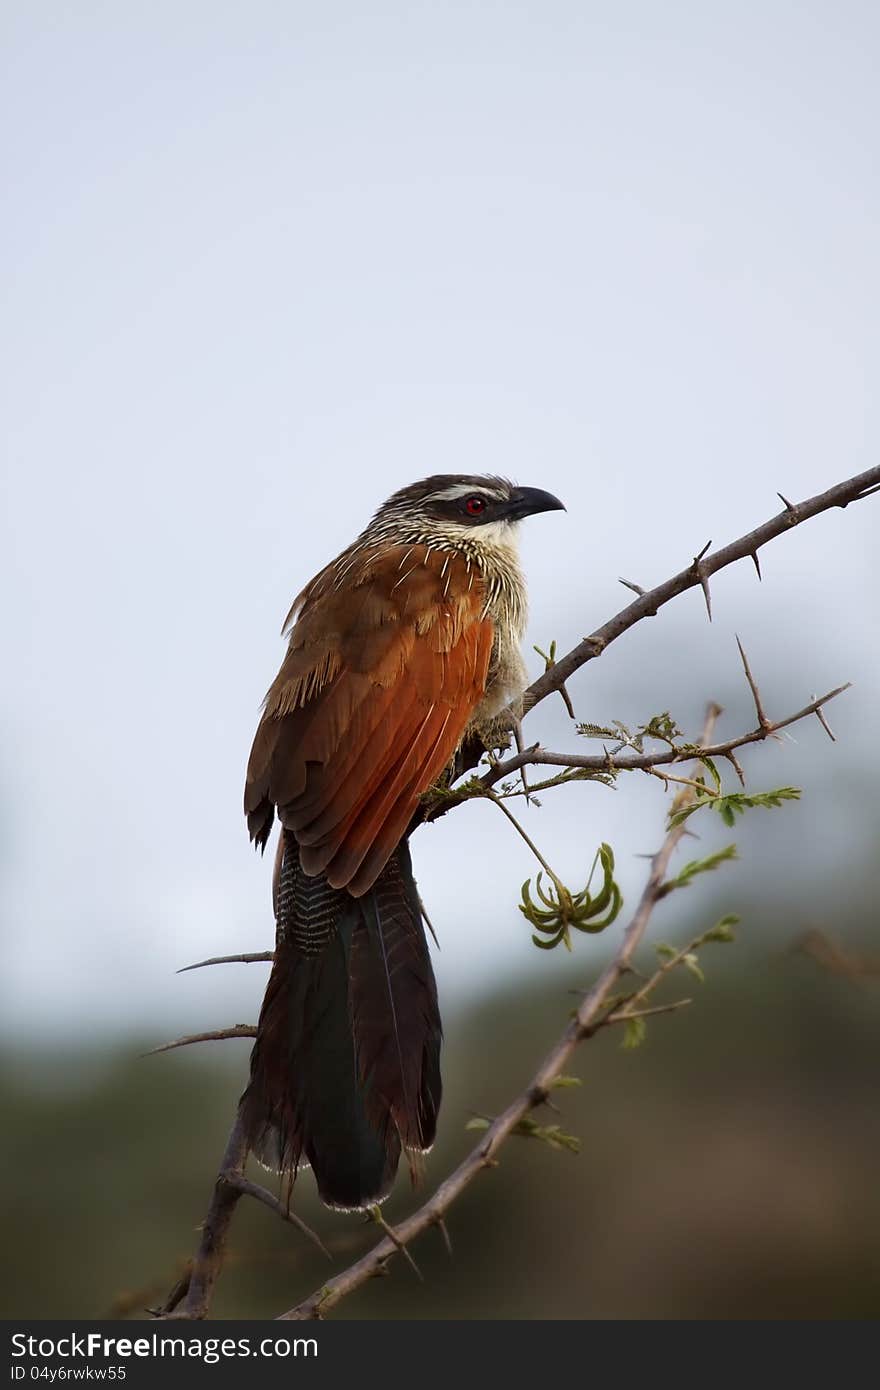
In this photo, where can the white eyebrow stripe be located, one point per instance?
(452, 494)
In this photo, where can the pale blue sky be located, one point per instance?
(263, 264)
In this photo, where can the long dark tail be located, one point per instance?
(345, 1071)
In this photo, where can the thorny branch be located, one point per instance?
(698, 572)
(591, 1016)
(191, 1296)
(536, 756)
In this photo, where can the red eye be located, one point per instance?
(475, 506)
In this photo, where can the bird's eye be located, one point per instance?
(475, 506)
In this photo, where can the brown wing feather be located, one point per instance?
(388, 658)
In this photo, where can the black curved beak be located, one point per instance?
(526, 501)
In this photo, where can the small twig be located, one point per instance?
(239, 1030)
(824, 722)
(763, 721)
(866, 492)
(682, 781)
(282, 1209)
(629, 1009)
(447, 1241)
(734, 762)
(428, 923)
(520, 746)
(549, 662)
(704, 578)
(566, 700)
(704, 585)
(636, 588)
(625, 1014)
(247, 959)
(491, 796)
(376, 1215)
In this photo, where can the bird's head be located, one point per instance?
(455, 508)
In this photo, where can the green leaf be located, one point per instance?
(549, 658)
(633, 1034)
(558, 910)
(713, 772)
(690, 962)
(736, 804)
(478, 1122)
(597, 731)
(548, 1134)
(723, 929)
(661, 727)
(701, 866)
(563, 1082)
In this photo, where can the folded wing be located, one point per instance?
(388, 659)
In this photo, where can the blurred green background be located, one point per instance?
(728, 1166)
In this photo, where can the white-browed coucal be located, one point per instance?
(401, 646)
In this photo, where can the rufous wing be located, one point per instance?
(387, 661)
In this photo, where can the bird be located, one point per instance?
(399, 649)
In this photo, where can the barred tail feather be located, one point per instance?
(345, 1069)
